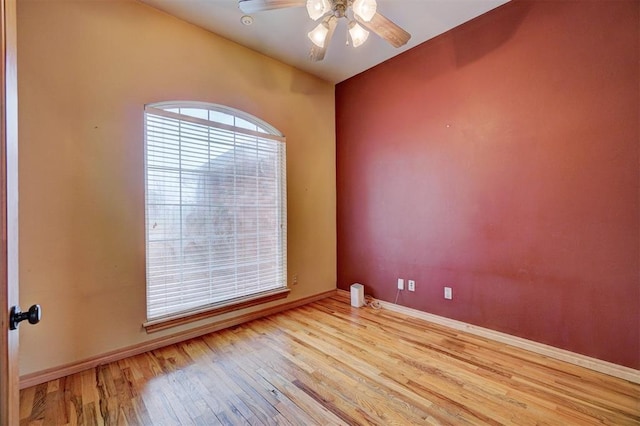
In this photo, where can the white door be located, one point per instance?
(9, 396)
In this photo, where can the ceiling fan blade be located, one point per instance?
(317, 53)
(386, 29)
(252, 6)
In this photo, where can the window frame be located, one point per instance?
(265, 130)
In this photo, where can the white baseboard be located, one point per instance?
(39, 377)
(595, 364)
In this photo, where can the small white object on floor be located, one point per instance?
(357, 295)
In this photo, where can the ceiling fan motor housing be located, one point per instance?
(340, 7)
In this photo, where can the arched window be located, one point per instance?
(215, 211)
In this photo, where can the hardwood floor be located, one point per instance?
(328, 363)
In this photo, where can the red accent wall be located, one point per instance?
(501, 159)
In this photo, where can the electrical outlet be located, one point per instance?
(400, 284)
(411, 285)
(294, 279)
(448, 293)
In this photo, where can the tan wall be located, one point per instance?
(86, 69)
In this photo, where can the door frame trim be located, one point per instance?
(9, 370)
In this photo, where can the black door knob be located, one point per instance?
(16, 316)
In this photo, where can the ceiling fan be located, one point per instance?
(358, 13)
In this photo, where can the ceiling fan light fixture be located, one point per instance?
(358, 34)
(365, 9)
(318, 35)
(318, 8)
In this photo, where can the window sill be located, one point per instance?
(213, 310)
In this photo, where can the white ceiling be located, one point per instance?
(282, 33)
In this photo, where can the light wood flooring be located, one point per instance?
(327, 363)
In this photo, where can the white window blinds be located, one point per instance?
(215, 208)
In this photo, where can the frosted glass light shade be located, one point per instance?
(319, 34)
(358, 34)
(365, 9)
(318, 8)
